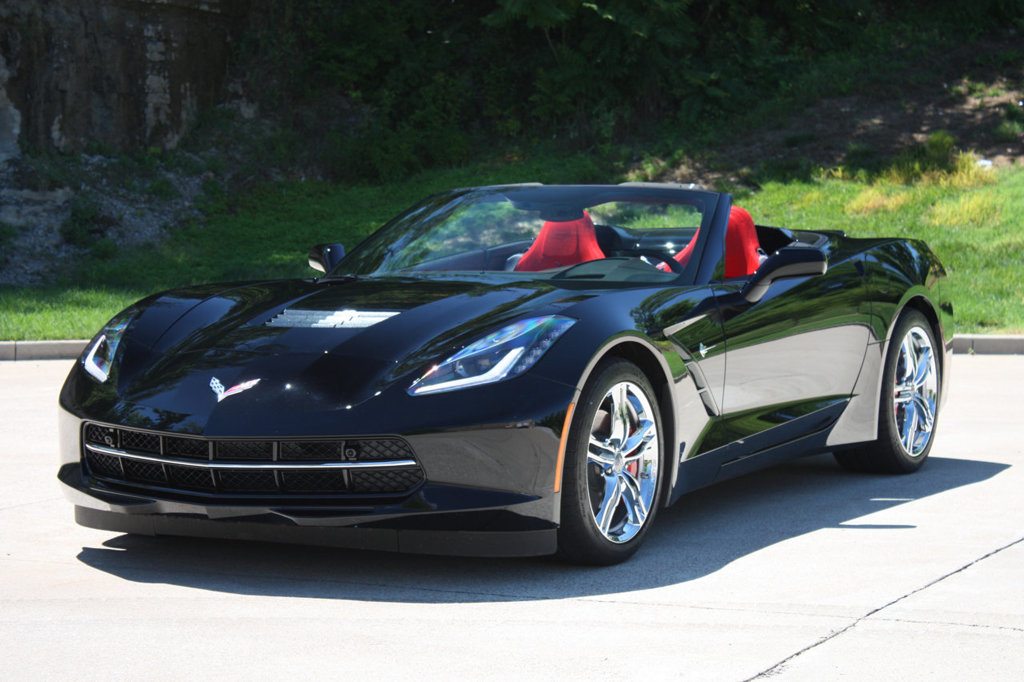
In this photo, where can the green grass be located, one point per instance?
(65, 313)
(975, 223)
(976, 229)
(264, 234)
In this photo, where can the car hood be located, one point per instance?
(184, 344)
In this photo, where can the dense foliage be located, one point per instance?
(385, 88)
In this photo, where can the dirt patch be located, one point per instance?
(54, 210)
(975, 92)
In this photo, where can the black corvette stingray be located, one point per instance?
(513, 370)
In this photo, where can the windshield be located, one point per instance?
(581, 232)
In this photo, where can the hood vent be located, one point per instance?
(329, 319)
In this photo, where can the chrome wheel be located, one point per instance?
(622, 462)
(915, 391)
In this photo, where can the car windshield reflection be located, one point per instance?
(606, 233)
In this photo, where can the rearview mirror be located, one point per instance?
(324, 257)
(789, 261)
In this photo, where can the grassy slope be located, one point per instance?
(977, 231)
(263, 234)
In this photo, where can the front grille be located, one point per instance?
(104, 465)
(239, 479)
(325, 450)
(190, 478)
(379, 449)
(191, 448)
(362, 467)
(139, 441)
(244, 449)
(143, 471)
(315, 481)
(94, 433)
(382, 480)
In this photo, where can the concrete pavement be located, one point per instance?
(800, 572)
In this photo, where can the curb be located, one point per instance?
(41, 350)
(989, 344)
(963, 344)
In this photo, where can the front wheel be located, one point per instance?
(612, 478)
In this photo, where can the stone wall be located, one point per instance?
(109, 74)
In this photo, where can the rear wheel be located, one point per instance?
(908, 409)
(612, 482)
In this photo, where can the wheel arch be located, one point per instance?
(917, 299)
(644, 354)
(920, 303)
(860, 425)
(868, 452)
(939, 315)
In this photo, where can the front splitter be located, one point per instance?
(454, 543)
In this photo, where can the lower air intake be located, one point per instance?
(191, 465)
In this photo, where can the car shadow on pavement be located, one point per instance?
(703, 532)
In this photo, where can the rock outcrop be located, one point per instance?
(109, 74)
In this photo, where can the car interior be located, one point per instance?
(567, 243)
(570, 242)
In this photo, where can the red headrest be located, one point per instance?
(742, 255)
(561, 243)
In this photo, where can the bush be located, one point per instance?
(8, 233)
(86, 224)
(162, 188)
(381, 90)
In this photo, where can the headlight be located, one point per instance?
(99, 354)
(504, 354)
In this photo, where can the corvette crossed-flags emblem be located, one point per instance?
(218, 388)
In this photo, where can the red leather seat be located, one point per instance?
(561, 243)
(742, 250)
(684, 255)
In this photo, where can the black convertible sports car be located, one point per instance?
(511, 370)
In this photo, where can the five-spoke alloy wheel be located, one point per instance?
(623, 450)
(611, 483)
(915, 391)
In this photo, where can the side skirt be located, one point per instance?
(803, 436)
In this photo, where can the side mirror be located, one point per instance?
(324, 257)
(789, 261)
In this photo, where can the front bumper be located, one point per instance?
(489, 491)
(435, 520)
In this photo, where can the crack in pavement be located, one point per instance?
(25, 504)
(953, 623)
(733, 609)
(778, 667)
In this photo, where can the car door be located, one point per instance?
(792, 358)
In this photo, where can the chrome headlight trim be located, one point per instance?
(98, 358)
(503, 354)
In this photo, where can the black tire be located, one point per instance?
(887, 454)
(579, 538)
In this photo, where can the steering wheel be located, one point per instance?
(673, 265)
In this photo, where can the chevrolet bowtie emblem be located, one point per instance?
(218, 388)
